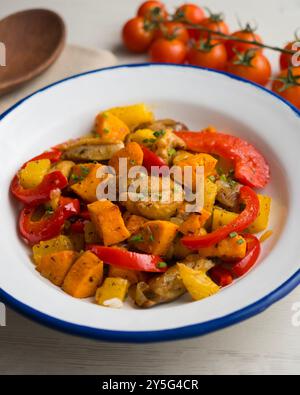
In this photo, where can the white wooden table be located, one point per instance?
(267, 344)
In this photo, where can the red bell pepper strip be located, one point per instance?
(250, 166)
(151, 159)
(48, 226)
(129, 260)
(253, 251)
(54, 155)
(85, 214)
(221, 276)
(78, 226)
(41, 194)
(242, 222)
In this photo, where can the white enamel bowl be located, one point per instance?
(198, 98)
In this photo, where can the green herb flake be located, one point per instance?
(240, 242)
(84, 170)
(212, 178)
(106, 131)
(74, 177)
(151, 238)
(49, 210)
(159, 133)
(162, 265)
(172, 152)
(233, 235)
(137, 239)
(223, 178)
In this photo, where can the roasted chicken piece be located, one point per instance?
(168, 286)
(89, 149)
(156, 210)
(228, 194)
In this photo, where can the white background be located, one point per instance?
(267, 344)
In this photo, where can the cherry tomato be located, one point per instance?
(287, 85)
(209, 54)
(172, 30)
(138, 35)
(285, 58)
(168, 51)
(189, 13)
(216, 23)
(251, 65)
(245, 34)
(154, 10)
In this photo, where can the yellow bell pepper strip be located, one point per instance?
(251, 167)
(197, 282)
(49, 226)
(242, 222)
(129, 260)
(41, 194)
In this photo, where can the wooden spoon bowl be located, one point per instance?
(33, 40)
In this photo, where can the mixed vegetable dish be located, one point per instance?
(150, 252)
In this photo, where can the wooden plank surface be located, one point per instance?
(267, 344)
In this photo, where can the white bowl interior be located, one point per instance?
(198, 98)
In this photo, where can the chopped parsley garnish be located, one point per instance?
(49, 210)
(137, 239)
(159, 133)
(240, 242)
(212, 178)
(106, 131)
(151, 238)
(172, 152)
(233, 235)
(151, 141)
(162, 265)
(84, 170)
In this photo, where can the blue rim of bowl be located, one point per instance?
(167, 334)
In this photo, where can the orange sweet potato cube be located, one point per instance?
(108, 221)
(84, 277)
(55, 266)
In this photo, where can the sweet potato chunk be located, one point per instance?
(155, 237)
(84, 277)
(133, 276)
(110, 128)
(59, 243)
(56, 266)
(132, 153)
(86, 181)
(108, 221)
(134, 223)
(233, 247)
(207, 161)
(194, 223)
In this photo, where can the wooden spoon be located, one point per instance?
(33, 40)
